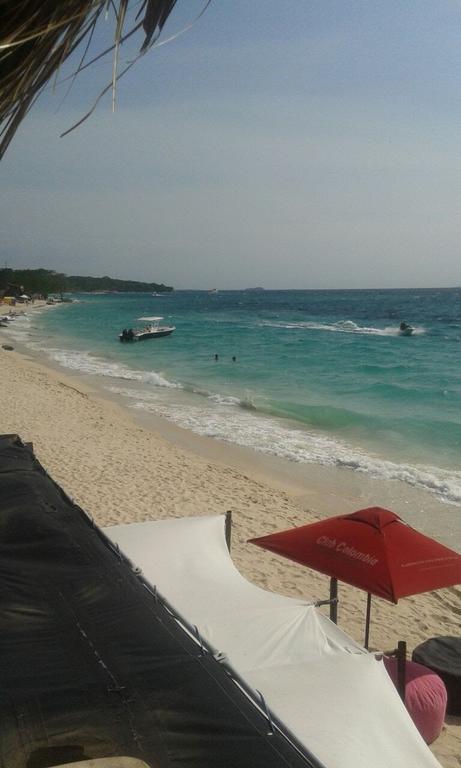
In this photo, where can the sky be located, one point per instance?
(302, 144)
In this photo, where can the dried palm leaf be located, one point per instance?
(37, 37)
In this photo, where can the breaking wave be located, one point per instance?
(221, 419)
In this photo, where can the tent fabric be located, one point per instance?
(334, 696)
(92, 664)
(372, 549)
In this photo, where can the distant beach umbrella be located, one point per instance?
(372, 549)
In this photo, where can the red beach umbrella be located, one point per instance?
(372, 549)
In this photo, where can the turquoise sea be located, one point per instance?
(320, 377)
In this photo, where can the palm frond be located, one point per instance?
(36, 38)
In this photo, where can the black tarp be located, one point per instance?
(91, 664)
(443, 655)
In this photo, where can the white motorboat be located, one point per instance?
(152, 330)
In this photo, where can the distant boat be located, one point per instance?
(152, 330)
(213, 290)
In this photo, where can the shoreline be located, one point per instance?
(321, 490)
(322, 469)
(313, 491)
(120, 468)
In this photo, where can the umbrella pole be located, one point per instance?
(367, 622)
(228, 529)
(402, 668)
(334, 600)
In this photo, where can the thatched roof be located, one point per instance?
(37, 36)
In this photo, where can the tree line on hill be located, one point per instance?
(46, 282)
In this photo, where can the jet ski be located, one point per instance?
(405, 329)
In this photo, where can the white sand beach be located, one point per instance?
(121, 471)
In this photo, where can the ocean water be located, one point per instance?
(320, 377)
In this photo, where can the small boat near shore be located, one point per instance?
(152, 330)
(5, 320)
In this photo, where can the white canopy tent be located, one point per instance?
(335, 697)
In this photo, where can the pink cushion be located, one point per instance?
(425, 697)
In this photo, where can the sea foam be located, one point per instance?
(232, 422)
